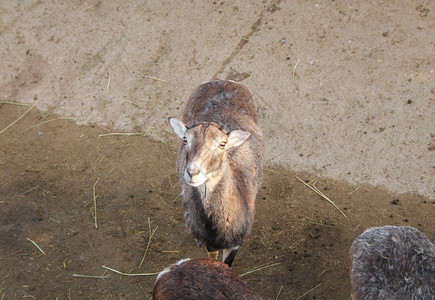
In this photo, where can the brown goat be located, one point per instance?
(220, 165)
(200, 279)
(394, 263)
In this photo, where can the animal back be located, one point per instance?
(226, 103)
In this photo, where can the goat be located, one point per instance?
(392, 263)
(220, 165)
(200, 279)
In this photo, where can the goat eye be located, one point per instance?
(222, 145)
(184, 141)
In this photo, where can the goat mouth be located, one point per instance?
(196, 180)
(194, 184)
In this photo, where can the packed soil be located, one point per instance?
(344, 92)
(92, 201)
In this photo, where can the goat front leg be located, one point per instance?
(229, 254)
(212, 253)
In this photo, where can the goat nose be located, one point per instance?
(192, 171)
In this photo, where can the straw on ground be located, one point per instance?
(155, 78)
(48, 121)
(130, 274)
(95, 203)
(354, 191)
(25, 192)
(294, 68)
(306, 293)
(14, 103)
(92, 276)
(277, 296)
(255, 269)
(120, 134)
(320, 193)
(25, 113)
(36, 245)
(108, 86)
(149, 241)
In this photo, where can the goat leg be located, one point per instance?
(229, 254)
(211, 253)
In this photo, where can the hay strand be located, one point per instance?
(320, 193)
(353, 191)
(67, 118)
(14, 103)
(149, 241)
(36, 245)
(129, 274)
(48, 121)
(135, 104)
(95, 203)
(306, 293)
(255, 269)
(92, 276)
(277, 296)
(294, 68)
(19, 118)
(155, 78)
(25, 192)
(108, 86)
(120, 134)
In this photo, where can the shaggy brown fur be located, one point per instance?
(219, 164)
(201, 279)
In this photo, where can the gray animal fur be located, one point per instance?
(394, 263)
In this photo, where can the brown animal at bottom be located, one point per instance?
(392, 263)
(220, 165)
(200, 279)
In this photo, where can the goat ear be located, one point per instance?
(178, 126)
(237, 138)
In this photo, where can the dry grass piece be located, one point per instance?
(95, 203)
(255, 269)
(130, 274)
(92, 276)
(354, 191)
(277, 296)
(155, 78)
(48, 121)
(67, 118)
(320, 193)
(149, 241)
(36, 245)
(14, 103)
(25, 113)
(294, 68)
(306, 293)
(120, 133)
(108, 86)
(25, 192)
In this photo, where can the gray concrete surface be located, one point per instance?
(344, 89)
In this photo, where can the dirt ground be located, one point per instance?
(49, 168)
(345, 90)
(345, 94)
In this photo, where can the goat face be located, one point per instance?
(206, 147)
